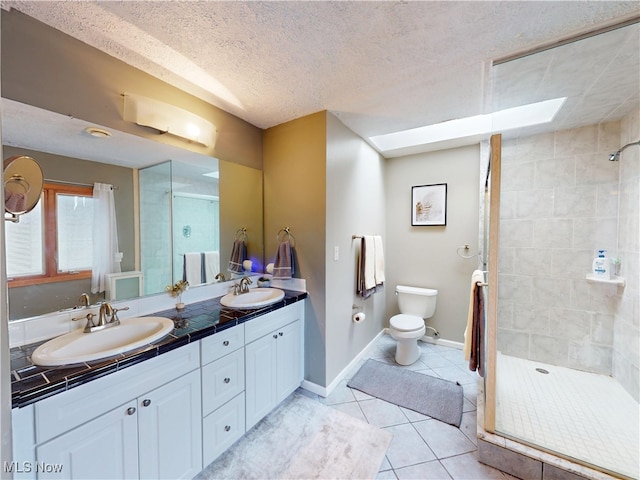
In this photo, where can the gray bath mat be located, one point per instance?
(435, 397)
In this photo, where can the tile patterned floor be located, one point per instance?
(584, 415)
(422, 448)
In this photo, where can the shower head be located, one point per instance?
(615, 156)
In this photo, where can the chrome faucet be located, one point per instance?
(107, 317)
(242, 286)
(84, 300)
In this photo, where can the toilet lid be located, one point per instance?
(406, 323)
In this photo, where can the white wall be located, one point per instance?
(355, 200)
(426, 256)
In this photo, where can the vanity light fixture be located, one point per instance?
(98, 132)
(470, 127)
(168, 118)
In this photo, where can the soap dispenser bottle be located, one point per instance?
(601, 266)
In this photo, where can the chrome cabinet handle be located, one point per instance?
(275, 336)
(131, 410)
(280, 333)
(227, 380)
(146, 402)
(225, 343)
(227, 428)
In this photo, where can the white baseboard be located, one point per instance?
(326, 391)
(442, 341)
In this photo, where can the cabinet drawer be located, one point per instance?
(260, 326)
(67, 410)
(221, 428)
(222, 380)
(220, 344)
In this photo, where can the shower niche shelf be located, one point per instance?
(614, 280)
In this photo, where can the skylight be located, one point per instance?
(507, 119)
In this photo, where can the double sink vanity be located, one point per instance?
(163, 409)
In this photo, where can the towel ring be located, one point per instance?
(241, 233)
(19, 180)
(466, 249)
(286, 235)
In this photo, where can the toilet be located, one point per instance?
(408, 327)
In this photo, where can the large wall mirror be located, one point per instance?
(169, 202)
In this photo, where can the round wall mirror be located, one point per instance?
(23, 182)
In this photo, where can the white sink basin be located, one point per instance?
(257, 297)
(77, 346)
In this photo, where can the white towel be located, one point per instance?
(476, 276)
(193, 268)
(211, 266)
(379, 260)
(368, 261)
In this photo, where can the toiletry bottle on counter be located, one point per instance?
(601, 267)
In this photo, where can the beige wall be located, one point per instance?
(426, 256)
(294, 197)
(45, 68)
(355, 206)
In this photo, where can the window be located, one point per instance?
(53, 242)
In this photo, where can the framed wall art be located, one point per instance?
(429, 204)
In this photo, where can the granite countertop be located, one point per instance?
(31, 383)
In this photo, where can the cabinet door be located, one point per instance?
(170, 429)
(260, 381)
(106, 447)
(290, 372)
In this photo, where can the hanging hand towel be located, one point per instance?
(366, 279)
(283, 263)
(193, 268)
(378, 267)
(211, 266)
(476, 276)
(238, 255)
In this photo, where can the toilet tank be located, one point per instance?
(416, 301)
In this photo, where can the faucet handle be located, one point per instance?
(114, 315)
(89, 319)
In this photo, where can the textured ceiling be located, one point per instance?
(379, 66)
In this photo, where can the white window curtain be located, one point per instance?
(106, 255)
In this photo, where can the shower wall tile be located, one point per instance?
(602, 328)
(553, 292)
(574, 325)
(576, 141)
(548, 349)
(516, 233)
(607, 201)
(511, 342)
(594, 358)
(553, 233)
(575, 202)
(593, 168)
(570, 263)
(518, 176)
(556, 172)
(534, 203)
(598, 232)
(508, 204)
(515, 288)
(532, 318)
(532, 261)
(509, 461)
(549, 232)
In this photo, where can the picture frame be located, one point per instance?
(429, 205)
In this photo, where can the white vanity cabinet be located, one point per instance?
(142, 422)
(222, 391)
(273, 360)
